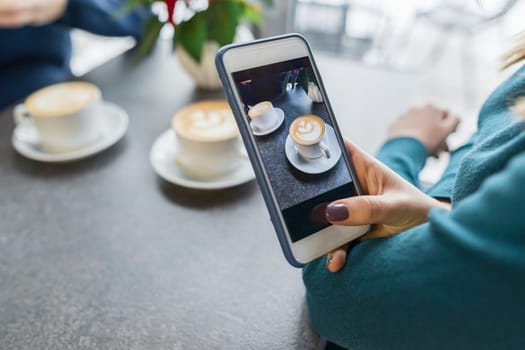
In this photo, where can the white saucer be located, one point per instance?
(280, 118)
(163, 160)
(318, 165)
(113, 125)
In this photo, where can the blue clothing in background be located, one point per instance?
(35, 56)
(456, 282)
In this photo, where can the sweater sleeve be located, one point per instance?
(100, 17)
(454, 282)
(406, 156)
(444, 186)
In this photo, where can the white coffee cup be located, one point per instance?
(64, 115)
(208, 144)
(263, 115)
(307, 132)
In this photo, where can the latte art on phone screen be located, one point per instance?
(206, 122)
(260, 108)
(307, 129)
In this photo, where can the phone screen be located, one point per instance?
(296, 140)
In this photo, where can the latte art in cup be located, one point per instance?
(62, 99)
(207, 123)
(307, 129)
(65, 116)
(263, 115)
(207, 140)
(259, 108)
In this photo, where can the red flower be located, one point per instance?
(170, 4)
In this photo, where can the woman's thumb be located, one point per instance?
(359, 210)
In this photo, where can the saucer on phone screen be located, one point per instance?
(317, 165)
(259, 132)
(113, 125)
(164, 161)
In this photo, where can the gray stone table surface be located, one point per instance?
(101, 253)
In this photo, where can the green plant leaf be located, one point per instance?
(251, 13)
(192, 35)
(223, 17)
(127, 7)
(305, 76)
(151, 33)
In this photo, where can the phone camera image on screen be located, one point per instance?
(294, 135)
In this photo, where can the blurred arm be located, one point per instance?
(99, 17)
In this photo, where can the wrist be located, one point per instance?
(405, 147)
(426, 204)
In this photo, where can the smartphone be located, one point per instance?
(294, 144)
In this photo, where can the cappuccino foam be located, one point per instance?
(206, 121)
(259, 108)
(307, 129)
(62, 99)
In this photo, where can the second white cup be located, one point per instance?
(208, 144)
(263, 115)
(66, 115)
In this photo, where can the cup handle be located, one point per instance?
(325, 149)
(21, 116)
(28, 133)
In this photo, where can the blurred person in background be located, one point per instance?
(444, 268)
(35, 43)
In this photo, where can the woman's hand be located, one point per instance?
(430, 125)
(391, 204)
(19, 13)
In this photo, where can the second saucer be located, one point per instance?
(317, 165)
(113, 126)
(278, 122)
(163, 158)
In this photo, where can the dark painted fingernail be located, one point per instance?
(336, 212)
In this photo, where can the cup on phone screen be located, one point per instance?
(307, 132)
(263, 115)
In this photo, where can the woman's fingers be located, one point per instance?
(391, 204)
(15, 13)
(378, 231)
(336, 259)
(355, 151)
(452, 123)
(15, 19)
(359, 210)
(429, 124)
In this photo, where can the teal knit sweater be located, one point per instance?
(456, 282)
